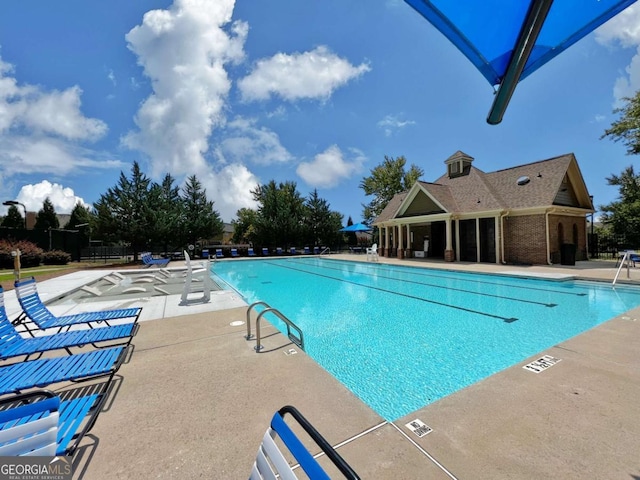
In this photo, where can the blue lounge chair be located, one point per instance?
(41, 424)
(270, 459)
(278, 251)
(234, 252)
(293, 251)
(306, 251)
(316, 250)
(36, 311)
(149, 261)
(265, 252)
(251, 253)
(219, 253)
(17, 377)
(12, 344)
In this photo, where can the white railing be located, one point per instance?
(626, 259)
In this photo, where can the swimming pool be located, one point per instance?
(403, 337)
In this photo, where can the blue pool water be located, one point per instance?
(402, 337)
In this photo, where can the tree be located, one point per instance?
(200, 220)
(280, 214)
(14, 218)
(386, 180)
(46, 217)
(125, 213)
(623, 216)
(169, 213)
(81, 220)
(627, 128)
(244, 225)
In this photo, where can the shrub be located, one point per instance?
(30, 253)
(56, 257)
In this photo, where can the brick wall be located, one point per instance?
(525, 238)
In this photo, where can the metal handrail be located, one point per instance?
(325, 249)
(249, 336)
(625, 258)
(299, 340)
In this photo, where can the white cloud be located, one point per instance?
(314, 74)
(63, 198)
(624, 29)
(390, 123)
(50, 113)
(41, 131)
(246, 143)
(183, 51)
(112, 77)
(230, 187)
(330, 167)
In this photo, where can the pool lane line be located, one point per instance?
(390, 267)
(501, 297)
(477, 312)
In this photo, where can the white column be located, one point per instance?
(457, 240)
(400, 248)
(497, 234)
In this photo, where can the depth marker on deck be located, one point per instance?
(542, 364)
(419, 428)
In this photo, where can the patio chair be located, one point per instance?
(234, 252)
(265, 252)
(270, 460)
(149, 261)
(306, 251)
(316, 250)
(293, 251)
(372, 253)
(33, 309)
(219, 253)
(279, 251)
(41, 424)
(250, 252)
(17, 377)
(12, 344)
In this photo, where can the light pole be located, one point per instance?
(13, 202)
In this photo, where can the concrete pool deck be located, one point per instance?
(195, 399)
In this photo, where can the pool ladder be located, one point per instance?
(296, 339)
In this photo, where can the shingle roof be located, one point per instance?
(479, 191)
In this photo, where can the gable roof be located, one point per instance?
(477, 191)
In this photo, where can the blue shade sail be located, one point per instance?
(497, 35)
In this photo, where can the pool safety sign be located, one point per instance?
(541, 364)
(419, 428)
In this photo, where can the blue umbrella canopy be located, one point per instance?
(356, 227)
(508, 40)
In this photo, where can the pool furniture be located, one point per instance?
(234, 252)
(149, 261)
(372, 253)
(17, 377)
(251, 253)
(306, 251)
(219, 253)
(33, 309)
(12, 344)
(265, 252)
(632, 257)
(270, 460)
(41, 424)
(205, 281)
(316, 250)
(279, 251)
(292, 251)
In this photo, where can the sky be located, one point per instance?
(243, 92)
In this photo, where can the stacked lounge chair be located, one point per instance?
(40, 422)
(149, 261)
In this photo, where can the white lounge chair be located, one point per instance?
(372, 253)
